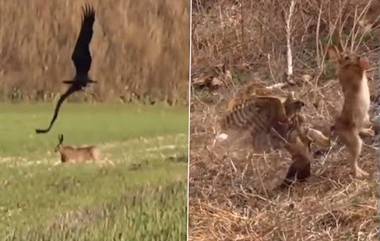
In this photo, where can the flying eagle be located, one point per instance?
(82, 62)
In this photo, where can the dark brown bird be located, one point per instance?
(82, 62)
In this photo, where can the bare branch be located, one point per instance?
(288, 28)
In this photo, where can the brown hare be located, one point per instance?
(354, 118)
(70, 154)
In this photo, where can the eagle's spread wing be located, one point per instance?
(81, 55)
(69, 91)
(81, 58)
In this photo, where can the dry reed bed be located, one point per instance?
(139, 48)
(234, 193)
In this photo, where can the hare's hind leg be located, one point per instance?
(353, 142)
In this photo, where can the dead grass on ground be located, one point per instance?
(235, 194)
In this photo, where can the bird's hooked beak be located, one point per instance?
(68, 82)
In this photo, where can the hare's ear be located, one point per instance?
(364, 63)
(308, 143)
(60, 138)
(334, 54)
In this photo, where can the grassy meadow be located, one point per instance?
(140, 52)
(136, 192)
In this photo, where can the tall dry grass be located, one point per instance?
(140, 48)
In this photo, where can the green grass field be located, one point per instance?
(137, 192)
